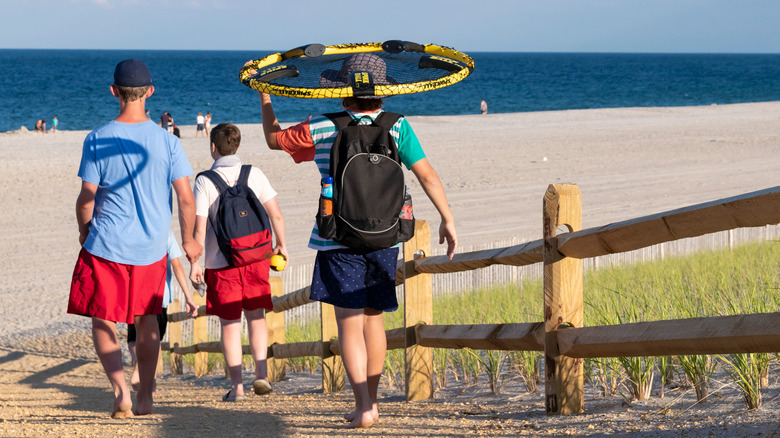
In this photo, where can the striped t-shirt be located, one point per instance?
(312, 140)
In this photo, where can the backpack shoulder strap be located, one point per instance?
(221, 186)
(341, 120)
(219, 183)
(243, 177)
(386, 120)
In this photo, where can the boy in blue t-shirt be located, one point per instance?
(129, 170)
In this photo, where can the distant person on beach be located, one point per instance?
(40, 126)
(230, 289)
(170, 123)
(207, 122)
(175, 270)
(483, 106)
(164, 120)
(120, 271)
(200, 121)
(54, 123)
(176, 131)
(360, 284)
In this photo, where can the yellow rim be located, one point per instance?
(445, 54)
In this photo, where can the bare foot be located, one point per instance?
(144, 402)
(123, 404)
(139, 412)
(351, 415)
(122, 411)
(365, 419)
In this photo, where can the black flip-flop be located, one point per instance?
(232, 398)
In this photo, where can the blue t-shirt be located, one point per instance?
(174, 252)
(133, 166)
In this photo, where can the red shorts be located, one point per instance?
(228, 290)
(116, 291)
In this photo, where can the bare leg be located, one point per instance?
(233, 351)
(134, 379)
(147, 349)
(110, 355)
(376, 347)
(258, 341)
(354, 353)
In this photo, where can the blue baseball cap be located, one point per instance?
(132, 73)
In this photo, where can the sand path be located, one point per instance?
(496, 168)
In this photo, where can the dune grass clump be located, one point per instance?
(746, 371)
(744, 280)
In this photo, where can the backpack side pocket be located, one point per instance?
(405, 229)
(326, 224)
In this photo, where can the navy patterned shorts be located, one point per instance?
(354, 279)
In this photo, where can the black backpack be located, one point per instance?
(368, 185)
(242, 226)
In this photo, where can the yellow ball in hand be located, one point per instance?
(278, 262)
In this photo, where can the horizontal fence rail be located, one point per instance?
(749, 210)
(756, 333)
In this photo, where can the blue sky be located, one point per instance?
(724, 26)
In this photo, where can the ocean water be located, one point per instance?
(74, 85)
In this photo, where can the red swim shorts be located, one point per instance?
(228, 290)
(116, 291)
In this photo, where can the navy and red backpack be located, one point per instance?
(242, 226)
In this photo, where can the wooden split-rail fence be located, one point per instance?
(561, 336)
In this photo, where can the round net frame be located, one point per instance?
(361, 70)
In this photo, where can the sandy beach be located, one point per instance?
(628, 162)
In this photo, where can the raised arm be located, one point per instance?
(431, 184)
(270, 123)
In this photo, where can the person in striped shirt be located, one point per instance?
(359, 284)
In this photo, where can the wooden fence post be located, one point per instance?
(275, 323)
(333, 372)
(418, 309)
(200, 333)
(562, 301)
(174, 339)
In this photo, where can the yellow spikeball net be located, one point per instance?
(361, 70)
